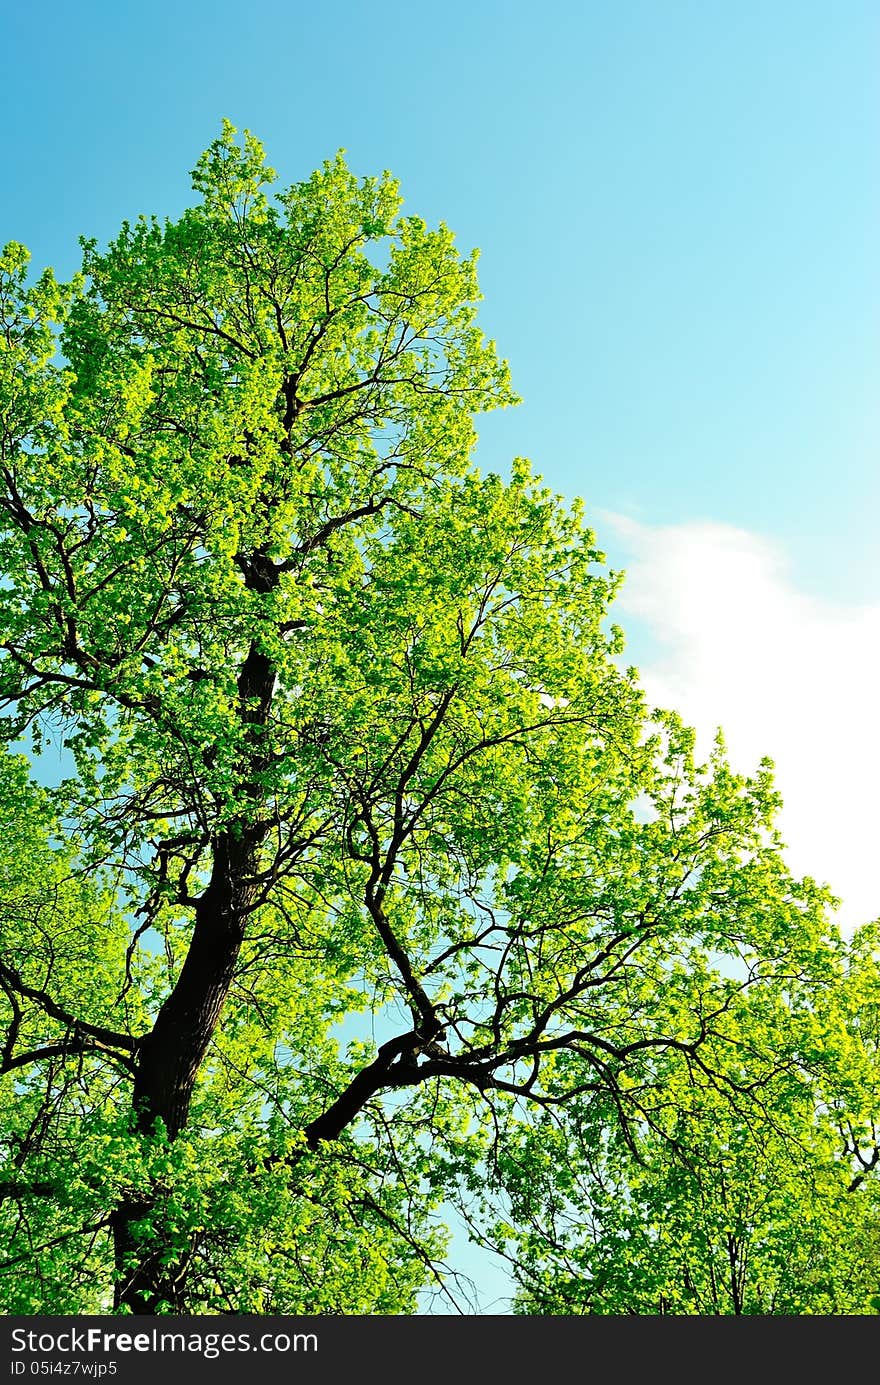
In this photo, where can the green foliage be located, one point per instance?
(371, 882)
(725, 1202)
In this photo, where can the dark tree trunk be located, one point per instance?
(170, 1057)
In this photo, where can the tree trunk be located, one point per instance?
(150, 1273)
(170, 1058)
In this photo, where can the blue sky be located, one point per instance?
(678, 207)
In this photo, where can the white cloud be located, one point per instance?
(784, 674)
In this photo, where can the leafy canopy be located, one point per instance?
(365, 868)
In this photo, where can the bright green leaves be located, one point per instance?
(58, 924)
(738, 1177)
(70, 1004)
(230, 176)
(729, 1210)
(255, 379)
(32, 392)
(362, 809)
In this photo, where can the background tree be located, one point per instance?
(367, 854)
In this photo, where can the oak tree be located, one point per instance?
(363, 854)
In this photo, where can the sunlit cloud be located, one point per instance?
(735, 644)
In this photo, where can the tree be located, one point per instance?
(366, 852)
